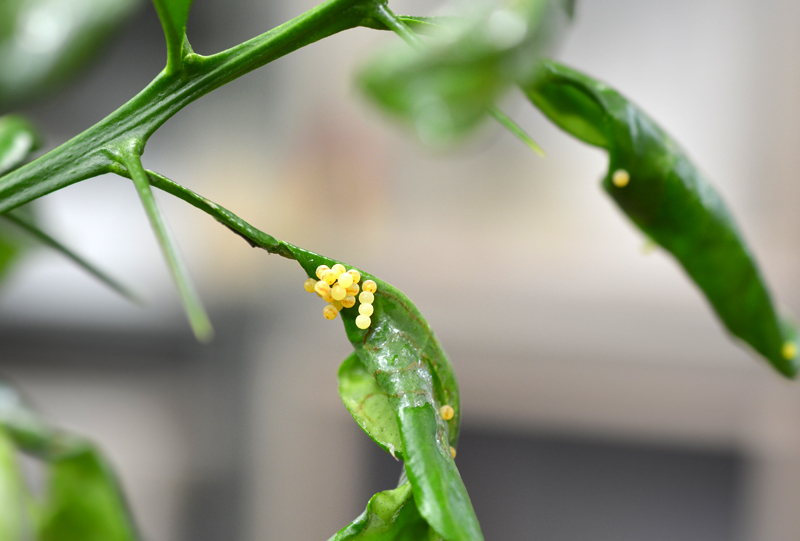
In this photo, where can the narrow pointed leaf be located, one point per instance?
(28, 226)
(180, 274)
(391, 515)
(664, 194)
(444, 89)
(174, 14)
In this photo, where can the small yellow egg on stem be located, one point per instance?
(363, 322)
(327, 297)
(365, 309)
(620, 178)
(447, 412)
(329, 276)
(355, 274)
(320, 270)
(329, 312)
(338, 305)
(349, 301)
(338, 269)
(345, 280)
(366, 297)
(309, 285)
(338, 292)
(370, 286)
(322, 288)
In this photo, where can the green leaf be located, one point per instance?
(82, 501)
(13, 494)
(391, 515)
(672, 203)
(369, 405)
(192, 304)
(18, 139)
(406, 360)
(443, 90)
(174, 14)
(44, 42)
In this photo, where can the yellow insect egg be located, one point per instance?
(349, 301)
(355, 274)
(453, 452)
(365, 309)
(366, 297)
(327, 297)
(338, 292)
(789, 350)
(309, 285)
(338, 269)
(329, 276)
(329, 312)
(363, 322)
(320, 270)
(322, 288)
(620, 178)
(345, 280)
(447, 412)
(338, 305)
(353, 290)
(370, 286)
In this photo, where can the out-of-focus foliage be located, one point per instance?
(444, 88)
(43, 42)
(82, 500)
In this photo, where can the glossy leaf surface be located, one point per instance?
(406, 360)
(672, 203)
(369, 405)
(391, 515)
(43, 42)
(444, 89)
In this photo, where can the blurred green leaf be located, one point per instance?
(18, 140)
(370, 405)
(443, 90)
(13, 494)
(174, 14)
(663, 193)
(43, 42)
(391, 515)
(82, 500)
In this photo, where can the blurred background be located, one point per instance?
(601, 398)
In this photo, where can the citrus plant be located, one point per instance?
(442, 81)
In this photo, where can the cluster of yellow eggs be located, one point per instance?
(338, 287)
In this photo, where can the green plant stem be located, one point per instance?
(91, 153)
(191, 300)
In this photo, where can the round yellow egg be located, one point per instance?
(365, 309)
(370, 286)
(366, 297)
(309, 284)
(329, 312)
(345, 280)
(363, 322)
